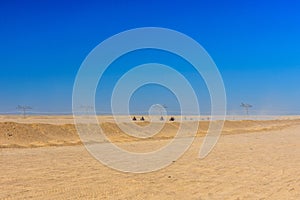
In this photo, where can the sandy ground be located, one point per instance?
(252, 160)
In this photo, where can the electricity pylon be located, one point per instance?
(23, 109)
(86, 108)
(246, 107)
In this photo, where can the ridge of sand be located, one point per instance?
(28, 135)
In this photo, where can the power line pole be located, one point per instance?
(23, 109)
(87, 109)
(246, 107)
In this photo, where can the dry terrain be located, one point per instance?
(43, 158)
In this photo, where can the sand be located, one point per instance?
(253, 160)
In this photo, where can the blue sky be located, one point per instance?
(256, 46)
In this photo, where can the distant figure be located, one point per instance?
(134, 119)
(161, 118)
(142, 118)
(172, 119)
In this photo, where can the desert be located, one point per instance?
(253, 159)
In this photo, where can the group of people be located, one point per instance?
(161, 118)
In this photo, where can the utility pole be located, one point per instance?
(23, 109)
(246, 107)
(86, 108)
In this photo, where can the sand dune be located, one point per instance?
(33, 134)
(243, 165)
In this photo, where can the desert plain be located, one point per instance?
(42, 157)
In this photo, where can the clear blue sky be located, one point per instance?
(255, 44)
